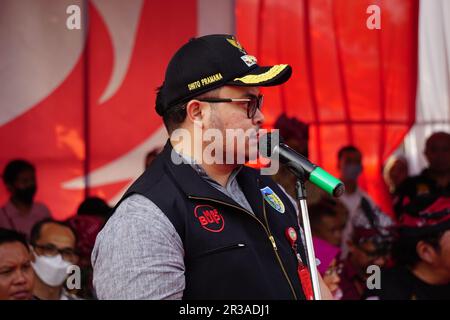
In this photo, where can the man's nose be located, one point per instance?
(19, 277)
(259, 118)
(336, 278)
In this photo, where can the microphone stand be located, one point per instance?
(311, 257)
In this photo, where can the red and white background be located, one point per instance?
(79, 104)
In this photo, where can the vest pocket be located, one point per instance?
(220, 249)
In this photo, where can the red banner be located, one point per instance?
(90, 117)
(352, 82)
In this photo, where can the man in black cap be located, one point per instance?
(192, 228)
(421, 253)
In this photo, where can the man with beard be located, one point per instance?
(192, 228)
(20, 213)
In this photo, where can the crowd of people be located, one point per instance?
(351, 233)
(36, 250)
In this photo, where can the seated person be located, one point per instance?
(295, 134)
(395, 172)
(20, 213)
(16, 274)
(369, 245)
(91, 216)
(432, 180)
(329, 267)
(53, 247)
(357, 202)
(328, 218)
(421, 253)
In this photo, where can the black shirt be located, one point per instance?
(399, 283)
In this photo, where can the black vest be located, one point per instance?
(229, 252)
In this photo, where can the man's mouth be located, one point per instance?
(21, 295)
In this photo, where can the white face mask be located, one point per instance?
(51, 270)
(338, 294)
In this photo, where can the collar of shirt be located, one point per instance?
(231, 189)
(202, 173)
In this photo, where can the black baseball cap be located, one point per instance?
(209, 62)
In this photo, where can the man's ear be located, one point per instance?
(426, 252)
(195, 111)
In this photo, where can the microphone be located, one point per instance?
(301, 166)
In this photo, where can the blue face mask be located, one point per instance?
(352, 171)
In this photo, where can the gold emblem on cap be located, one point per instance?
(236, 44)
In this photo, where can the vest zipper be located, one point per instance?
(269, 235)
(276, 249)
(221, 249)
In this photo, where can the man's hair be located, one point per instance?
(347, 149)
(94, 206)
(36, 230)
(176, 115)
(11, 236)
(319, 210)
(404, 250)
(436, 135)
(14, 168)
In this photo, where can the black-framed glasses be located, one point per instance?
(51, 250)
(254, 103)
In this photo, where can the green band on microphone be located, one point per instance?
(324, 180)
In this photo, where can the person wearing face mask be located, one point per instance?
(21, 212)
(355, 200)
(53, 247)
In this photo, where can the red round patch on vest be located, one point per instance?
(209, 217)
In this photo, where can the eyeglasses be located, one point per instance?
(254, 103)
(51, 250)
(335, 269)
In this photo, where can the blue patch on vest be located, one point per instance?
(272, 198)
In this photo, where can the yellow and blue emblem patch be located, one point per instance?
(273, 199)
